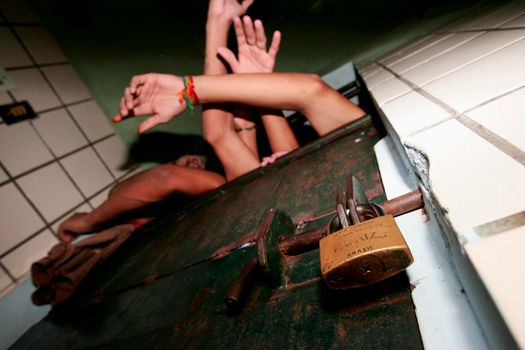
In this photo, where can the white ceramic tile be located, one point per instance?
(92, 120)
(114, 154)
(51, 191)
(84, 208)
(517, 22)
(5, 98)
(31, 86)
(487, 78)
(412, 112)
(19, 220)
(67, 83)
(471, 179)
(499, 262)
(59, 132)
(389, 90)
(378, 78)
(3, 176)
(40, 44)
(499, 16)
(19, 11)
(19, 261)
(462, 55)
(21, 149)
(505, 117)
(440, 48)
(413, 48)
(87, 171)
(11, 52)
(369, 69)
(100, 198)
(5, 280)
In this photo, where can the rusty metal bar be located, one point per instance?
(239, 289)
(309, 240)
(404, 204)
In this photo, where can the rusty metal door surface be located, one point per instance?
(165, 287)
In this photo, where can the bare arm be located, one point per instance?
(218, 124)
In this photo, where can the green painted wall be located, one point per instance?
(110, 41)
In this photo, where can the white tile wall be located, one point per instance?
(5, 280)
(60, 132)
(87, 171)
(31, 85)
(462, 125)
(413, 112)
(11, 52)
(3, 176)
(19, 219)
(19, 157)
(43, 188)
(92, 120)
(114, 155)
(19, 261)
(463, 55)
(501, 113)
(99, 198)
(19, 11)
(483, 79)
(67, 83)
(84, 208)
(40, 44)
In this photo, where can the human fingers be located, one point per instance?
(151, 122)
(136, 81)
(260, 36)
(239, 31)
(248, 30)
(128, 97)
(265, 161)
(229, 57)
(276, 43)
(123, 109)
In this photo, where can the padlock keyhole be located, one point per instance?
(367, 268)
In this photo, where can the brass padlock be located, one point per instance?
(364, 253)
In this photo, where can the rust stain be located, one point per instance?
(301, 284)
(201, 297)
(226, 250)
(341, 331)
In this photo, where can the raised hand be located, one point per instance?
(152, 94)
(228, 9)
(253, 57)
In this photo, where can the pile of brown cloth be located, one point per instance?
(65, 266)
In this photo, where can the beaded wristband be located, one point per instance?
(188, 94)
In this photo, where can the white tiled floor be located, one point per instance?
(87, 171)
(497, 188)
(42, 187)
(378, 77)
(412, 112)
(484, 79)
(92, 120)
(67, 83)
(40, 44)
(59, 132)
(11, 52)
(19, 261)
(498, 115)
(518, 22)
(32, 86)
(497, 259)
(3, 176)
(413, 48)
(18, 218)
(460, 56)
(18, 159)
(114, 154)
(497, 17)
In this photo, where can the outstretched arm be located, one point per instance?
(217, 120)
(324, 107)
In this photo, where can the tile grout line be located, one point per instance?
(8, 273)
(500, 143)
(21, 42)
(494, 99)
(480, 30)
(43, 65)
(24, 241)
